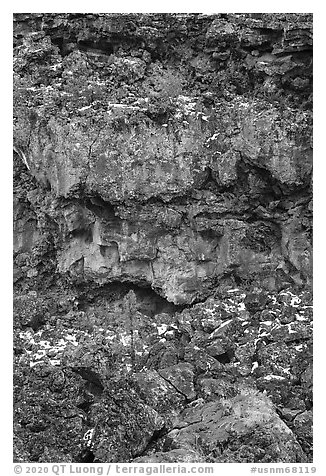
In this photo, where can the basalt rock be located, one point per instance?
(117, 375)
(210, 426)
(150, 175)
(162, 238)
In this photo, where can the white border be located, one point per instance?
(319, 185)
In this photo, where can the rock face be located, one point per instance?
(160, 161)
(167, 163)
(246, 418)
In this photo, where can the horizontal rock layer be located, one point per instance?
(173, 150)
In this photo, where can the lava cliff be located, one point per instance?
(168, 156)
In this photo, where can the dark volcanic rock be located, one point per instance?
(88, 375)
(148, 174)
(123, 425)
(212, 425)
(162, 237)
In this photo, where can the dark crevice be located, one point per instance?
(276, 189)
(60, 43)
(85, 406)
(157, 435)
(85, 456)
(106, 250)
(172, 385)
(102, 209)
(209, 182)
(90, 376)
(85, 235)
(226, 357)
(196, 422)
(298, 341)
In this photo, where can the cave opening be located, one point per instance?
(101, 45)
(149, 302)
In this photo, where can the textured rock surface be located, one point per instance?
(246, 418)
(160, 169)
(162, 237)
(159, 384)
